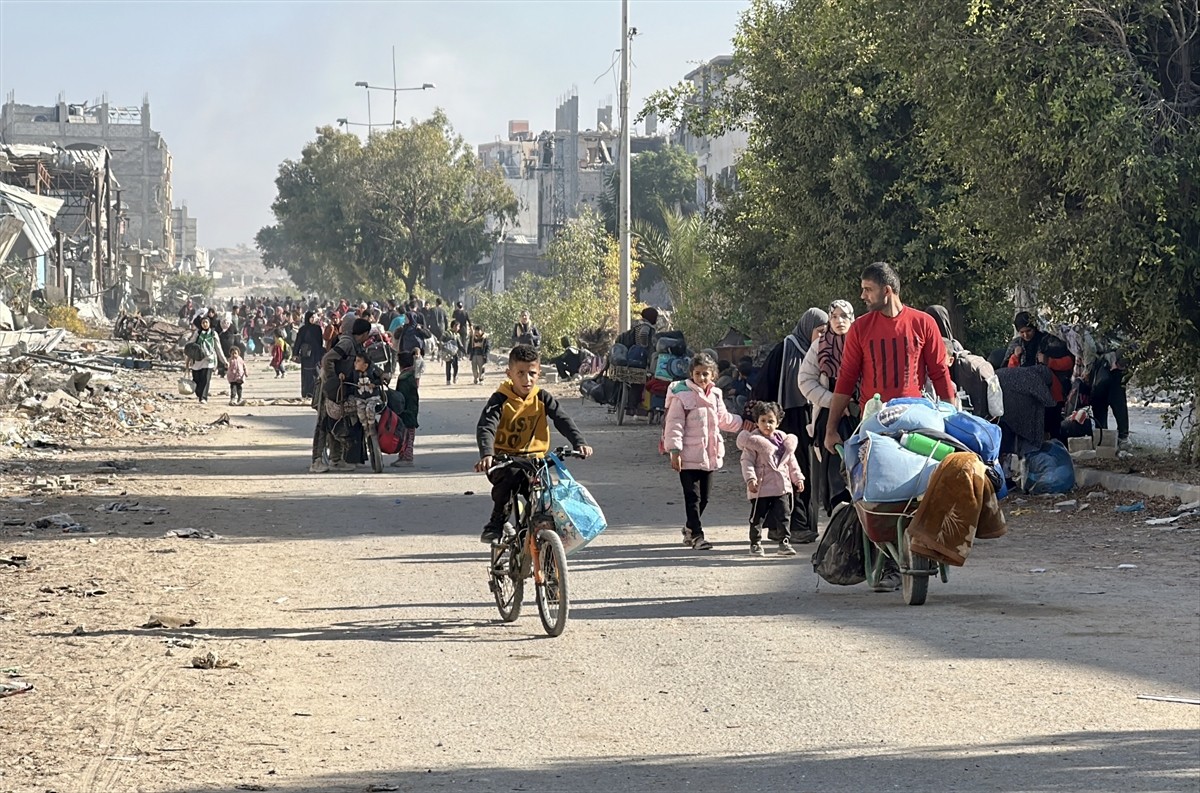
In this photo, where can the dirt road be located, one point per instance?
(369, 652)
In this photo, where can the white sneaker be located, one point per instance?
(318, 467)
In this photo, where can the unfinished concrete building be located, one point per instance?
(139, 155)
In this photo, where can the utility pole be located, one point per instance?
(623, 200)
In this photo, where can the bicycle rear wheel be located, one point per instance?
(552, 601)
(505, 581)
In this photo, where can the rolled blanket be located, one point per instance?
(958, 500)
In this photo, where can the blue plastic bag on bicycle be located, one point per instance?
(577, 517)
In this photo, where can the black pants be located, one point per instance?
(321, 431)
(308, 382)
(804, 506)
(695, 497)
(451, 370)
(505, 481)
(828, 478)
(1111, 395)
(202, 378)
(773, 512)
(235, 392)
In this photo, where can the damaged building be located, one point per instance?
(139, 155)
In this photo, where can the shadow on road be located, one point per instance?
(1155, 760)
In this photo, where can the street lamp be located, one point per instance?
(394, 90)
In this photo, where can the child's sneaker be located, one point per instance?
(785, 548)
(701, 544)
(756, 549)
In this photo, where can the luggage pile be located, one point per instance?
(931, 466)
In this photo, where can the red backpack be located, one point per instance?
(389, 429)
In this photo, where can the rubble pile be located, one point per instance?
(53, 405)
(153, 337)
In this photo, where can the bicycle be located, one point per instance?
(530, 547)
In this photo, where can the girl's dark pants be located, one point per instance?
(235, 391)
(695, 497)
(771, 511)
(451, 369)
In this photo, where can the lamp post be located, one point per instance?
(395, 90)
(623, 198)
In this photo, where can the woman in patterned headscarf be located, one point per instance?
(818, 375)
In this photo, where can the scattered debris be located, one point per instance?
(1163, 521)
(382, 788)
(1136, 506)
(221, 421)
(194, 534)
(14, 687)
(16, 560)
(174, 641)
(211, 660)
(1038, 570)
(169, 621)
(1178, 700)
(128, 506)
(1072, 504)
(1127, 566)
(61, 521)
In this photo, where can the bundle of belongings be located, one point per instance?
(944, 462)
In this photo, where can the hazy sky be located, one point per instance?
(237, 87)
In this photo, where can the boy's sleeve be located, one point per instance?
(562, 422)
(489, 420)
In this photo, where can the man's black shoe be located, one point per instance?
(490, 534)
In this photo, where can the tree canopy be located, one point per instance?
(408, 208)
(979, 148)
(577, 294)
(656, 179)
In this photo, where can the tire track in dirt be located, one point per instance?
(121, 719)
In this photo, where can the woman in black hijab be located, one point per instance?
(310, 345)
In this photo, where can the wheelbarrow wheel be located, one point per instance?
(914, 584)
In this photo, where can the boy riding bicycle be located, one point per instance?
(515, 422)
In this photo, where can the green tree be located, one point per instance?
(1078, 154)
(656, 178)
(578, 293)
(410, 207)
(704, 306)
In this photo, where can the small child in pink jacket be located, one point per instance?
(692, 427)
(772, 474)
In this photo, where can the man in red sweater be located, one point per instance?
(890, 351)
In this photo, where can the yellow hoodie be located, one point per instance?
(511, 424)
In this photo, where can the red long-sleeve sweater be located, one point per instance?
(893, 356)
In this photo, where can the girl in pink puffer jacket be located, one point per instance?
(692, 427)
(772, 474)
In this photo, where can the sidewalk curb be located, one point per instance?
(1138, 484)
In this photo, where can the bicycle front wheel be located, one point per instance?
(374, 452)
(551, 590)
(505, 581)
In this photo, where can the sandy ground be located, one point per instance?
(370, 655)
